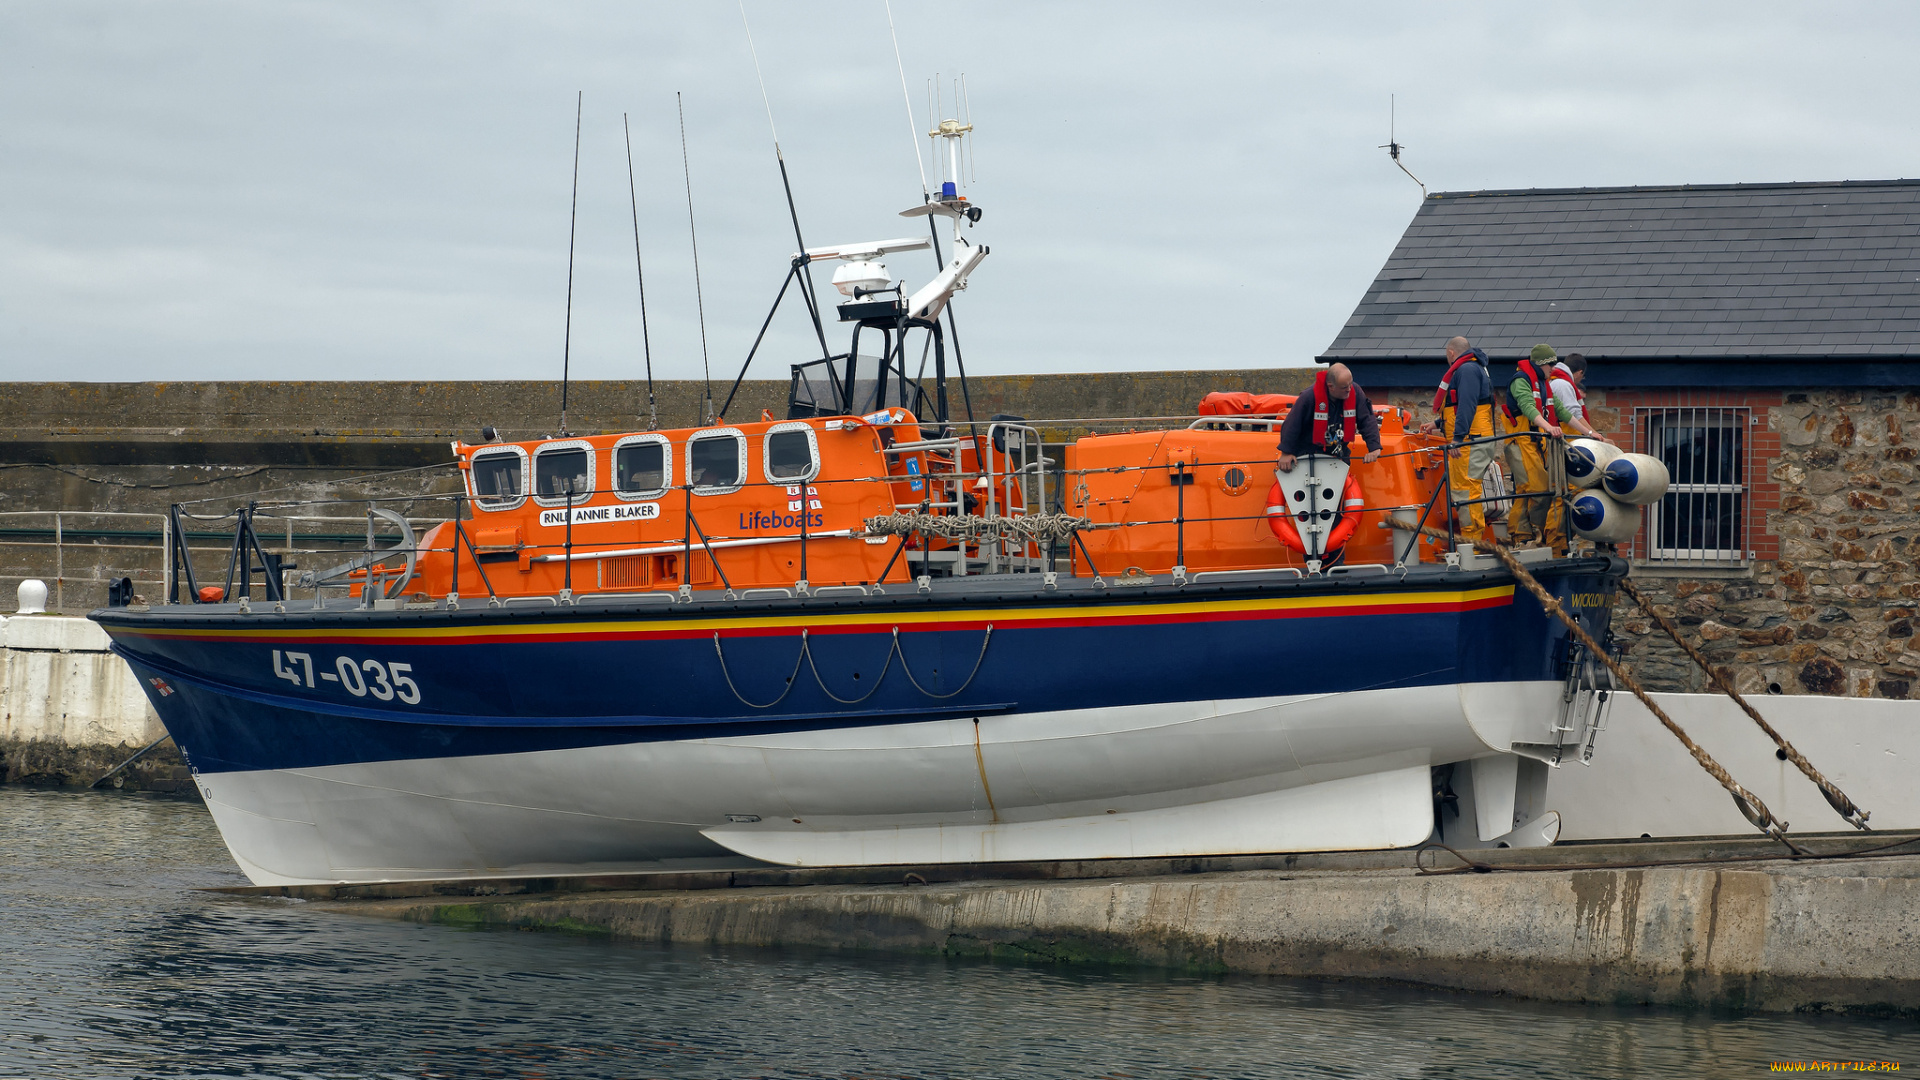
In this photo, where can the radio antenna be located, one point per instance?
(699, 300)
(806, 268)
(913, 130)
(1393, 148)
(573, 218)
(646, 343)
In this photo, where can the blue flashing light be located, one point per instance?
(948, 190)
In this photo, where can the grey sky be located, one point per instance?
(225, 190)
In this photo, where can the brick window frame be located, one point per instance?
(1623, 414)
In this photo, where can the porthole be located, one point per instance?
(642, 467)
(716, 461)
(496, 479)
(558, 466)
(791, 455)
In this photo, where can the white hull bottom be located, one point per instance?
(1320, 773)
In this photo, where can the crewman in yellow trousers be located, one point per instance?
(1530, 413)
(1465, 404)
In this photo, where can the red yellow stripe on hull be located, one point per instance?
(1034, 617)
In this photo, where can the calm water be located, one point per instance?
(112, 965)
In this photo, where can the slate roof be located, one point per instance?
(1753, 272)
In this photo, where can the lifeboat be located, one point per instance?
(877, 630)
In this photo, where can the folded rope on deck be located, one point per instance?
(1025, 528)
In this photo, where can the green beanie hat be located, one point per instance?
(1542, 352)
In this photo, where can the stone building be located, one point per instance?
(1764, 340)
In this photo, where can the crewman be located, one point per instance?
(1309, 427)
(1530, 412)
(1465, 404)
(1569, 383)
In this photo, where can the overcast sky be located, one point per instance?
(287, 190)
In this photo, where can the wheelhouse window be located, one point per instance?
(497, 478)
(642, 467)
(559, 468)
(1703, 516)
(716, 461)
(791, 454)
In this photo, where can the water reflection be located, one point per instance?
(116, 967)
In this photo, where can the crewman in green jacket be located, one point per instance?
(1530, 412)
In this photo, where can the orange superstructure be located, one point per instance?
(1210, 483)
(786, 504)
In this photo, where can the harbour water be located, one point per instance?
(114, 964)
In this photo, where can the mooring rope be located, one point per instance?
(977, 661)
(1835, 797)
(1748, 803)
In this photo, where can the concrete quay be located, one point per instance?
(70, 711)
(1710, 924)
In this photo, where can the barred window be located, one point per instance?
(1703, 516)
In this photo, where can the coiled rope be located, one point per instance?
(972, 528)
(1835, 797)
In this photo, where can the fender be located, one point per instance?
(1281, 522)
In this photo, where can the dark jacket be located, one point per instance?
(1473, 384)
(1296, 431)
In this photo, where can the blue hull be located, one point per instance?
(304, 689)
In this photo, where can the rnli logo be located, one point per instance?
(760, 519)
(162, 686)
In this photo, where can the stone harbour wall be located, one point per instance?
(1835, 613)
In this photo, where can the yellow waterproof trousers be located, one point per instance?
(1536, 520)
(1466, 466)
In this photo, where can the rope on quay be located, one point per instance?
(1835, 797)
(1750, 805)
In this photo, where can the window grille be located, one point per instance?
(1703, 518)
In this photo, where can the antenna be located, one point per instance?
(653, 411)
(811, 297)
(913, 130)
(1393, 148)
(973, 177)
(687, 170)
(573, 218)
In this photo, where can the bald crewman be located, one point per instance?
(1326, 418)
(1465, 404)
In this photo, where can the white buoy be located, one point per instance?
(1587, 459)
(1635, 479)
(1597, 516)
(32, 596)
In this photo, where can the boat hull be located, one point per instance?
(993, 726)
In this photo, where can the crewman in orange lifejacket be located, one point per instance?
(1529, 412)
(1465, 404)
(1310, 428)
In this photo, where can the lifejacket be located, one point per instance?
(1448, 394)
(1542, 405)
(1580, 396)
(1280, 518)
(1320, 406)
